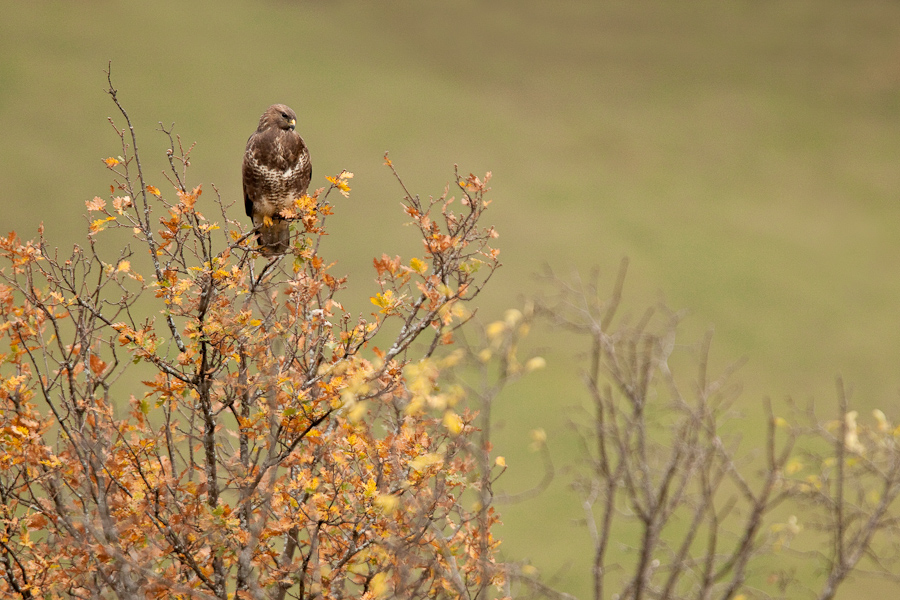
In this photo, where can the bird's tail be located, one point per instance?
(274, 239)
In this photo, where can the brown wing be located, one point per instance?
(252, 180)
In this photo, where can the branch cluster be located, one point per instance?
(278, 449)
(674, 504)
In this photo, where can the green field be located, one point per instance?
(744, 156)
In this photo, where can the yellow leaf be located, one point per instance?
(420, 463)
(384, 300)
(454, 358)
(883, 424)
(305, 203)
(123, 266)
(418, 266)
(340, 182)
(388, 503)
(460, 311)
(495, 330)
(793, 466)
(100, 224)
(500, 461)
(453, 422)
(356, 412)
(535, 363)
(415, 406)
(538, 438)
(512, 317)
(379, 585)
(110, 162)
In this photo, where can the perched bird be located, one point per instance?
(276, 172)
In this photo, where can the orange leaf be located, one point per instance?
(97, 365)
(120, 203)
(96, 204)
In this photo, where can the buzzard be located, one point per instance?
(276, 171)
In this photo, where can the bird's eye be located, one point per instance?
(284, 115)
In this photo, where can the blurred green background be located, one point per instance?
(745, 156)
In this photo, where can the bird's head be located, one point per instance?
(280, 116)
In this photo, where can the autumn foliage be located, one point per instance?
(184, 418)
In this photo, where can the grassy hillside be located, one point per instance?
(745, 157)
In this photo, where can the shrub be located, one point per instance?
(279, 447)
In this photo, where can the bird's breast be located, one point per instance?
(276, 183)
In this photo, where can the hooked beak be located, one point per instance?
(293, 123)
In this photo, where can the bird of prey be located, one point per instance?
(276, 171)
